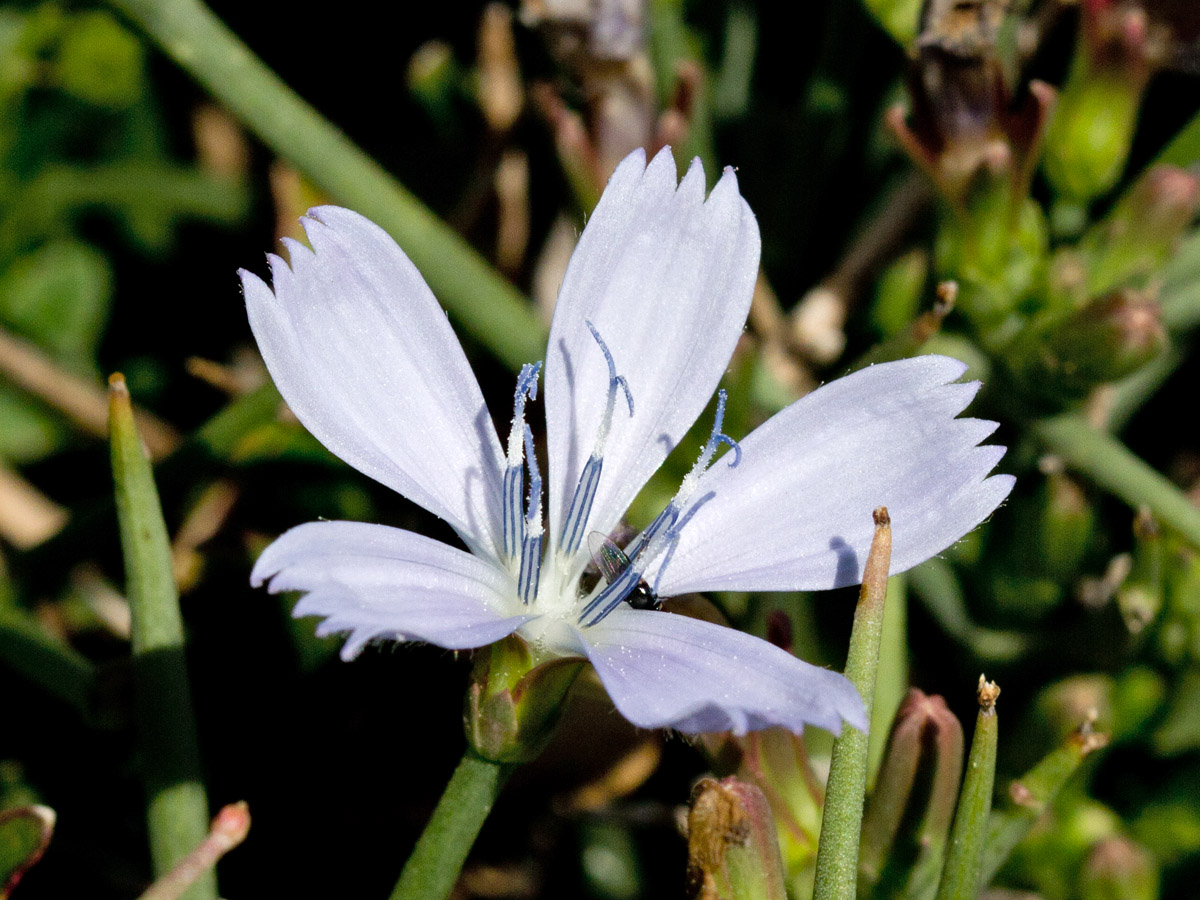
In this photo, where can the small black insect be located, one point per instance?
(612, 563)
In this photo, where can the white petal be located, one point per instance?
(365, 357)
(670, 671)
(379, 582)
(795, 513)
(666, 278)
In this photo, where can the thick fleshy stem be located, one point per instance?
(531, 545)
(514, 483)
(585, 492)
(663, 533)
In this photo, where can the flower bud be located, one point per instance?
(1140, 596)
(513, 702)
(908, 814)
(967, 133)
(1140, 234)
(1106, 340)
(1089, 136)
(732, 850)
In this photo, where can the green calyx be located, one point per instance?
(514, 701)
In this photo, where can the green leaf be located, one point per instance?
(177, 808)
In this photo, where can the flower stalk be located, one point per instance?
(440, 852)
(837, 854)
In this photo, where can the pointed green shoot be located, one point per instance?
(177, 808)
(964, 855)
(837, 853)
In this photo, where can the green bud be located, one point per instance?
(732, 850)
(513, 702)
(908, 814)
(1119, 869)
(899, 18)
(1106, 340)
(1089, 136)
(1180, 635)
(1090, 133)
(898, 296)
(1140, 596)
(1066, 525)
(434, 80)
(1131, 245)
(24, 835)
(997, 251)
(1064, 704)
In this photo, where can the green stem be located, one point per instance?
(1030, 795)
(177, 807)
(442, 849)
(486, 305)
(892, 679)
(841, 823)
(1111, 465)
(961, 876)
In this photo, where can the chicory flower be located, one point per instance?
(652, 304)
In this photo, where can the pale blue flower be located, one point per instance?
(653, 301)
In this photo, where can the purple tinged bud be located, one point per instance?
(1141, 233)
(908, 814)
(732, 850)
(1088, 142)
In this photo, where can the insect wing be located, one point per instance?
(608, 557)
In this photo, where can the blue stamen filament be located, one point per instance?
(663, 533)
(531, 546)
(575, 523)
(514, 482)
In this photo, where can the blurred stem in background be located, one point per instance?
(488, 307)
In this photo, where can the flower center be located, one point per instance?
(524, 530)
(662, 536)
